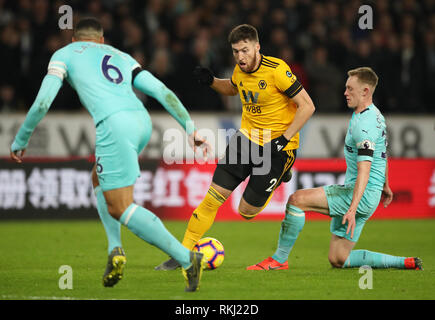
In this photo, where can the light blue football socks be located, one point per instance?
(142, 223)
(111, 225)
(358, 258)
(147, 226)
(290, 227)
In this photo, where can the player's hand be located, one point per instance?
(349, 217)
(278, 144)
(18, 155)
(195, 140)
(387, 196)
(203, 75)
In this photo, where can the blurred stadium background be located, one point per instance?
(320, 40)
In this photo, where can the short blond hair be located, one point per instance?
(365, 75)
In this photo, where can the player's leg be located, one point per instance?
(147, 226)
(120, 139)
(339, 249)
(143, 223)
(200, 222)
(292, 224)
(294, 219)
(116, 256)
(108, 174)
(341, 253)
(339, 199)
(248, 210)
(121, 206)
(358, 258)
(313, 199)
(203, 216)
(260, 188)
(228, 174)
(111, 225)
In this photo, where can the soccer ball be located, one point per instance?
(213, 252)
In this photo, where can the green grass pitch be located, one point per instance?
(33, 251)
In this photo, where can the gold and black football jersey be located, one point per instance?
(266, 98)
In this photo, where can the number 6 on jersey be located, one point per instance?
(105, 67)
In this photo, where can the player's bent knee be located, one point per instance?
(247, 216)
(116, 209)
(118, 200)
(115, 212)
(337, 261)
(296, 199)
(334, 263)
(252, 203)
(248, 212)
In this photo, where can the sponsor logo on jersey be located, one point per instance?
(253, 97)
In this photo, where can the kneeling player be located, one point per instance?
(349, 205)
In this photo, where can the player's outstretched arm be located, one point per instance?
(150, 85)
(49, 88)
(205, 77)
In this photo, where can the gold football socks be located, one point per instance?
(202, 217)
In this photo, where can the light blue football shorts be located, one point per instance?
(339, 198)
(119, 140)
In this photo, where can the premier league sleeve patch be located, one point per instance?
(365, 148)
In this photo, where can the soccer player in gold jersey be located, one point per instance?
(275, 108)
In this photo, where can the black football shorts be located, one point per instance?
(244, 158)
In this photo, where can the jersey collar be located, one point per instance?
(366, 109)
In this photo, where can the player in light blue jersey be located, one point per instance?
(352, 204)
(104, 78)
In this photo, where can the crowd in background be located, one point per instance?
(320, 40)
